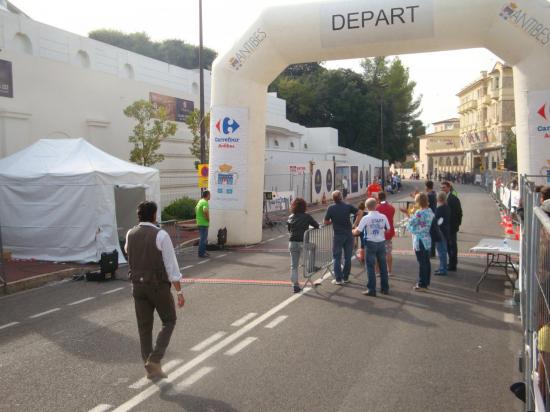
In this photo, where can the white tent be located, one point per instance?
(57, 199)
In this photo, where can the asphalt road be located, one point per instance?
(246, 343)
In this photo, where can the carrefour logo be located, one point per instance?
(227, 125)
(544, 113)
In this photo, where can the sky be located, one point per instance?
(439, 76)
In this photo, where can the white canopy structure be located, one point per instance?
(518, 32)
(57, 200)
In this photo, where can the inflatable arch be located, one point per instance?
(518, 32)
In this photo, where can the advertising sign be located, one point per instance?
(354, 179)
(329, 180)
(176, 109)
(318, 181)
(6, 79)
(361, 22)
(539, 126)
(228, 157)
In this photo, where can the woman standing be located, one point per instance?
(419, 225)
(298, 222)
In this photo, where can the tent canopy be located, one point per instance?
(57, 199)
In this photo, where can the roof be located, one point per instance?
(65, 157)
(443, 133)
(452, 120)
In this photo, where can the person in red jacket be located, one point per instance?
(373, 188)
(389, 211)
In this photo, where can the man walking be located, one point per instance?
(389, 211)
(202, 215)
(153, 269)
(339, 215)
(455, 222)
(375, 224)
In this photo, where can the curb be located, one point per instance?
(39, 280)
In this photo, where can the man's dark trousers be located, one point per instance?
(147, 298)
(452, 247)
(345, 243)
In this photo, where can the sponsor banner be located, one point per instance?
(354, 179)
(318, 181)
(539, 128)
(247, 49)
(279, 201)
(528, 21)
(228, 157)
(360, 22)
(177, 109)
(6, 79)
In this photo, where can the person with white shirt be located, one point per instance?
(373, 227)
(153, 270)
(345, 189)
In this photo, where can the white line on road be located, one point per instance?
(78, 302)
(203, 261)
(509, 317)
(8, 325)
(112, 291)
(208, 341)
(194, 378)
(276, 321)
(187, 267)
(240, 346)
(221, 256)
(103, 407)
(271, 240)
(150, 391)
(244, 319)
(38, 315)
(166, 368)
(281, 236)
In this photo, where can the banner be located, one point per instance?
(228, 157)
(354, 179)
(176, 109)
(539, 128)
(347, 23)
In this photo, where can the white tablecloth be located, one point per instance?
(497, 246)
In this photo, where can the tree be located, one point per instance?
(417, 130)
(172, 51)
(193, 122)
(511, 161)
(151, 128)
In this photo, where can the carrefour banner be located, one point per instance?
(539, 128)
(228, 157)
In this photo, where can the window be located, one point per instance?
(23, 43)
(128, 71)
(83, 59)
(305, 146)
(276, 142)
(292, 145)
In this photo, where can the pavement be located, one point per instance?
(244, 342)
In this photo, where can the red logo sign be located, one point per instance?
(542, 112)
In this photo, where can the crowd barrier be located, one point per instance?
(535, 296)
(317, 252)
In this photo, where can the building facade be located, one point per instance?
(487, 117)
(63, 85)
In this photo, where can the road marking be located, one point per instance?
(78, 302)
(243, 320)
(203, 261)
(187, 267)
(240, 346)
(38, 315)
(221, 256)
(151, 390)
(208, 341)
(112, 291)
(271, 240)
(194, 378)
(103, 407)
(509, 318)
(279, 237)
(166, 368)
(276, 321)
(8, 325)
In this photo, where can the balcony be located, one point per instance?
(468, 106)
(493, 93)
(485, 100)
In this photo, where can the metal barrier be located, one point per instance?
(535, 297)
(175, 229)
(3, 278)
(317, 252)
(401, 219)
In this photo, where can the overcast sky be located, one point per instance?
(439, 75)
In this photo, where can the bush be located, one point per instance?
(181, 209)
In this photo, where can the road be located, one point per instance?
(244, 342)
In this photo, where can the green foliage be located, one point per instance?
(511, 161)
(181, 209)
(151, 128)
(172, 51)
(193, 122)
(351, 102)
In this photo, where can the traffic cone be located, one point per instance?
(509, 228)
(518, 235)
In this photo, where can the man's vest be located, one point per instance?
(145, 260)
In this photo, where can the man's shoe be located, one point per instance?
(385, 292)
(346, 281)
(451, 269)
(206, 255)
(154, 371)
(439, 273)
(337, 282)
(297, 289)
(419, 288)
(369, 292)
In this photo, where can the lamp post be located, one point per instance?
(201, 89)
(383, 173)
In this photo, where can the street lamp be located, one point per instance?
(201, 89)
(383, 173)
